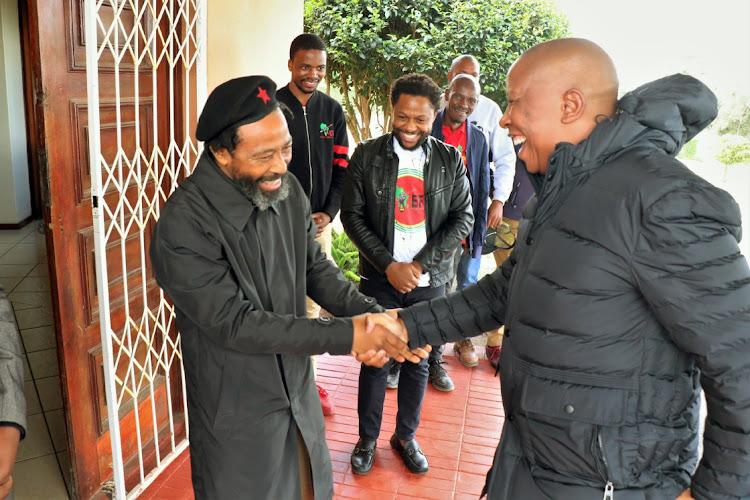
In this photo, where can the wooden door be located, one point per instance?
(141, 116)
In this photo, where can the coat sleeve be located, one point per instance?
(457, 225)
(354, 218)
(340, 163)
(12, 398)
(192, 268)
(327, 285)
(476, 309)
(690, 271)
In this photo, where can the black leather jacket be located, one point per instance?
(368, 206)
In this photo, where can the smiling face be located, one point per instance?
(462, 97)
(534, 112)
(261, 155)
(412, 120)
(308, 68)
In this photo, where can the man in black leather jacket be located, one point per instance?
(406, 205)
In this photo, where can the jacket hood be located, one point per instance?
(667, 113)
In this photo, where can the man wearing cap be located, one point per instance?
(234, 249)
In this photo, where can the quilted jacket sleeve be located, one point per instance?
(690, 270)
(467, 313)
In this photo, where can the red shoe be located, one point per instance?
(493, 354)
(325, 403)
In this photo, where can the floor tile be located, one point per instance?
(30, 300)
(58, 433)
(38, 339)
(12, 236)
(40, 270)
(19, 257)
(26, 370)
(31, 248)
(33, 406)
(35, 237)
(39, 478)
(4, 247)
(37, 442)
(15, 270)
(63, 458)
(34, 284)
(50, 395)
(10, 282)
(43, 363)
(33, 318)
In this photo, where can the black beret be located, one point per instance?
(247, 99)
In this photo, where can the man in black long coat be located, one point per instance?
(234, 249)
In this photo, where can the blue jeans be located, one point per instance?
(468, 271)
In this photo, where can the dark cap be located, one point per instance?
(247, 99)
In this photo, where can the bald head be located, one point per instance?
(557, 92)
(464, 80)
(464, 65)
(574, 63)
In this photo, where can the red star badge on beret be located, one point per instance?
(262, 94)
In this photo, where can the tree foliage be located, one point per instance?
(734, 116)
(734, 149)
(373, 42)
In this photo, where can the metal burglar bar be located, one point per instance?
(153, 52)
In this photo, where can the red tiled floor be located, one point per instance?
(459, 431)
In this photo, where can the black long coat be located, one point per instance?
(238, 277)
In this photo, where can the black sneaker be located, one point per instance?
(393, 375)
(440, 380)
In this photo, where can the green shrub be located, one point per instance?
(346, 255)
(689, 150)
(734, 149)
(373, 42)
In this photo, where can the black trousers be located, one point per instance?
(413, 381)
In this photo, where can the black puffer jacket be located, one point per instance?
(625, 292)
(368, 206)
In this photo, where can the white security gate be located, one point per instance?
(148, 58)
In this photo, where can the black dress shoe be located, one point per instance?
(411, 454)
(363, 456)
(440, 380)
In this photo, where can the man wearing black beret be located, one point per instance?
(234, 249)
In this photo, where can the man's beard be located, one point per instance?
(260, 198)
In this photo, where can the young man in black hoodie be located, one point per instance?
(320, 151)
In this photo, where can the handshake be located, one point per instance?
(380, 337)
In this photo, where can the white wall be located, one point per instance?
(251, 38)
(15, 195)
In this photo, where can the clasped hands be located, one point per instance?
(380, 337)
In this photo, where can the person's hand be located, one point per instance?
(390, 321)
(403, 276)
(321, 219)
(464, 248)
(9, 438)
(686, 495)
(495, 214)
(374, 345)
